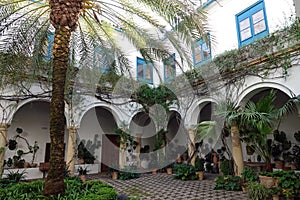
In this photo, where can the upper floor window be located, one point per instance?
(49, 44)
(144, 71)
(252, 23)
(201, 52)
(169, 68)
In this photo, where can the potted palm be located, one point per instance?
(114, 169)
(82, 172)
(199, 165)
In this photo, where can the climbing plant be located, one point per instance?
(148, 96)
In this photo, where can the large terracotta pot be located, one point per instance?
(267, 181)
(114, 175)
(200, 175)
(169, 170)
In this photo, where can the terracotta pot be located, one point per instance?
(200, 175)
(33, 165)
(279, 164)
(169, 170)
(115, 175)
(26, 164)
(244, 188)
(83, 178)
(154, 171)
(267, 181)
(215, 159)
(275, 197)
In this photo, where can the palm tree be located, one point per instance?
(261, 119)
(252, 124)
(25, 27)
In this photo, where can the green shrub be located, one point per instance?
(257, 191)
(227, 167)
(249, 174)
(185, 172)
(6, 183)
(199, 164)
(104, 193)
(232, 183)
(16, 176)
(75, 190)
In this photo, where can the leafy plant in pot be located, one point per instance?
(248, 175)
(280, 146)
(82, 172)
(199, 166)
(257, 191)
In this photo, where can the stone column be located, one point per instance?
(237, 150)
(3, 143)
(122, 154)
(71, 150)
(191, 145)
(138, 148)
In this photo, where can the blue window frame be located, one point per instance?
(206, 3)
(144, 71)
(169, 68)
(50, 36)
(252, 23)
(201, 53)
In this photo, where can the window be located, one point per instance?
(169, 68)
(201, 52)
(50, 41)
(144, 71)
(252, 23)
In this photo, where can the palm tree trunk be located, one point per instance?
(54, 183)
(237, 150)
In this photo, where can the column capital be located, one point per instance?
(4, 125)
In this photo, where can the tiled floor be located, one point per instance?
(163, 186)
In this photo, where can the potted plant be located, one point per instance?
(275, 192)
(82, 172)
(199, 166)
(114, 171)
(289, 182)
(257, 191)
(248, 175)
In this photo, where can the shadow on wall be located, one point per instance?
(86, 150)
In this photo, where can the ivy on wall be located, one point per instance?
(148, 96)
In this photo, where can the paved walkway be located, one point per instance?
(165, 187)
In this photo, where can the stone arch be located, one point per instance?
(14, 109)
(117, 114)
(97, 135)
(193, 113)
(257, 87)
(32, 116)
(288, 124)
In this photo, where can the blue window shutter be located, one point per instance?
(201, 52)
(50, 36)
(247, 15)
(142, 72)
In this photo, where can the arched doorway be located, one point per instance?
(97, 135)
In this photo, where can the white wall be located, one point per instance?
(221, 19)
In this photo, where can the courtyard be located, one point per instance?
(163, 186)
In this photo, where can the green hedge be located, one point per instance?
(75, 190)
